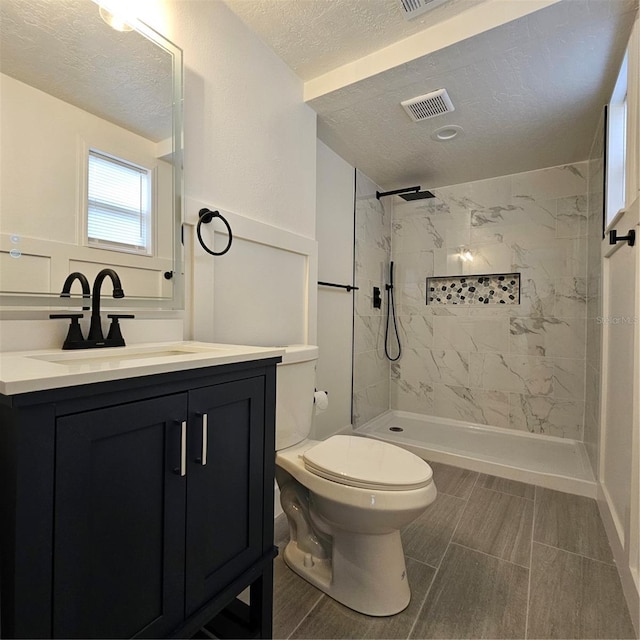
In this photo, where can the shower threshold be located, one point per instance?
(546, 461)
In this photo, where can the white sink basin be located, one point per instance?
(39, 370)
(93, 356)
(86, 359)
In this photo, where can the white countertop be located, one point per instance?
(26, 371)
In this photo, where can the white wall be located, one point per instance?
(261, 292)
(334, 232)
(619, 445)
(249, 148)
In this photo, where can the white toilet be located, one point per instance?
(346, 499)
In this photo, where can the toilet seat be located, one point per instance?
(367, 464)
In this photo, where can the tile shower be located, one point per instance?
(515, 366)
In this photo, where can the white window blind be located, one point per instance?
(119, 204)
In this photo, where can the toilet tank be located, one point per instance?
(296, 379)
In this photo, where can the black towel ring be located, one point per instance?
(206, 216)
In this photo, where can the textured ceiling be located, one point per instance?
(528, 94)
(315, 36)
(64, 48)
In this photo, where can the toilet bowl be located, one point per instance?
(346, 499)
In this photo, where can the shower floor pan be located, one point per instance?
(547, 461)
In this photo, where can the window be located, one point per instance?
(118, 204)
(616, 147)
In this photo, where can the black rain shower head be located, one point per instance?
(418, 195)
(409, 193)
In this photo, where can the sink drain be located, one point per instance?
(396, 429)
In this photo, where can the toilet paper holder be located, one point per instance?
(320, 401)
(321, 391)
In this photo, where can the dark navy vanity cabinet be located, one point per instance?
(139, 507)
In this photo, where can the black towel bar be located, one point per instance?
(348, 287)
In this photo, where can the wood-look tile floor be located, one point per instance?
(490, 558)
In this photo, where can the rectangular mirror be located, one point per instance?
(91, 155)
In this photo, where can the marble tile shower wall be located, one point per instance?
(519, 367)
(372, 255)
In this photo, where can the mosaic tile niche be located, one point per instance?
(495, 288)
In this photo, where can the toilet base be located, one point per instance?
(366, 573)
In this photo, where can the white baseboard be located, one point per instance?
(629, 585)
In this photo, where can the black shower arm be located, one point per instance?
(382, 194)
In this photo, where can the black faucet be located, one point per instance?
(95, 330)
(71, 278)
(74, 339)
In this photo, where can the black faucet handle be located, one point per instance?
(114, 338)
(74, 339)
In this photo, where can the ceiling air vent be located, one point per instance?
(413, 8)
(428, 106)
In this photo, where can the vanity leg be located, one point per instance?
(261, 613)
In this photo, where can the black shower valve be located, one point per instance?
(377, 298)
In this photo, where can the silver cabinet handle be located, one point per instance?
(183, 448)
(204, 438)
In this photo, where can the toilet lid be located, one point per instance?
(367, 463)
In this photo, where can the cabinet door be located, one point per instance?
(224, 496)
(119, 521)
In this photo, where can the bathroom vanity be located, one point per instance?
(136, 491)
